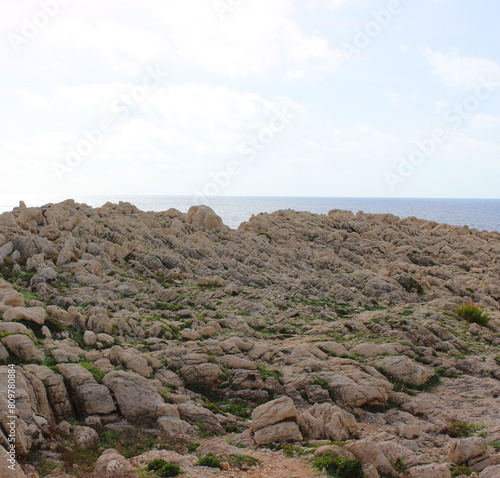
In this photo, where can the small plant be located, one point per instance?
(462, 429)
(45, 467)
(339, 467)
(210, 460)
(266, 234)
(232, 428)
(164, 469)
(97, 373)
(204, 431)
(266, 373)
(192, 446)
(321, 382)
(243, 461)
(461, 470)
(400, 466)
(473, 313)
(495, 444)
(239, 410)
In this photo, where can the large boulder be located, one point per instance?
(432, 471)
(88, 396)
(207, 374)
(204, 216)
(113, 465)
(491, 472)
(31, 314)
(406, 369)
(371, 453)
(327, 422)
(276, 422)
(137, 399)
(175, 428)
(461, 451)
(357, 388)
(23, 347)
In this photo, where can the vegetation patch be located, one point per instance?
(242, 461)
(97, 373)
(461, 470)
(460, 429)
(163, 468)
(473, 313)
(339, 467)
(210, 460)
(266, 373)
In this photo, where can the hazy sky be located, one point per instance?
(251, 97)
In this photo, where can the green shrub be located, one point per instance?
(266, 373)
(204, 431)
(242, 461)
(55, 325)
(473, 313)
(155, 465)
(462, 429)
(192, 446)
(321, 382)
(461, 470)
(232, 428)
(129, 442)
(45, 467)
(97, 373)
(239, 410)
(164, 469)
(339, 467)
(210, 460)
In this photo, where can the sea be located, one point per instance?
(482, 214)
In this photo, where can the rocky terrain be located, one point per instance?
(296, 341)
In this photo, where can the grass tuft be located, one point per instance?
(473, 313)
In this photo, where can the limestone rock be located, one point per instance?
(86, 437)
(204, 216)
(137, 400)
(33, 314)
(431, 471)
(276, 422)
(113, 465)
(89, 397)
(273, 412)
(371, 454)
(491, 472)
(327, 422)
(206, 374)
(11, 298)
(174, 428)
(24, 348)
(461, 451)
(406, 369)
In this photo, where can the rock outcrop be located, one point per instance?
(166, 328)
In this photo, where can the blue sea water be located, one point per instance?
(475, 213)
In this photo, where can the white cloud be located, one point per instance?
(458, 71)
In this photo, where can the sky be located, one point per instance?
(330, 98)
